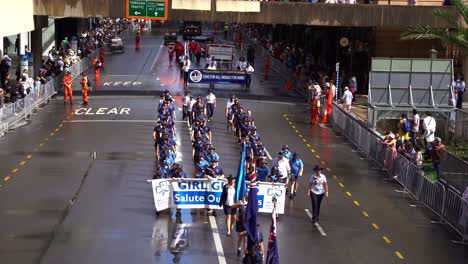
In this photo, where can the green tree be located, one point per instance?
(457, 34)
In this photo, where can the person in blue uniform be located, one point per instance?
(263, 171)
(200, 167)
(286, 153)
(297, 167)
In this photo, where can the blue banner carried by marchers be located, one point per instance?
(240, 180)
(216, 76)
(272, 253)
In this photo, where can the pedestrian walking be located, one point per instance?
(314, 110)
(137, 41)
(249, 70)
(185, 103)
(438, 153)
(404, 128)
(429, 126)
(84, 88)
(415, 127)
(316, 189)
(347, 99)
(459, 88)
(67, 87)
(185, 69)
(210, 101)
(297, 167)
(227, 201)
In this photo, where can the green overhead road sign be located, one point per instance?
(147, 9)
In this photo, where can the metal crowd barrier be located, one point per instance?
(447, 204)
(23, 108)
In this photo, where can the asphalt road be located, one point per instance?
(73, 185)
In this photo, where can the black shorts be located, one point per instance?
(228, 210)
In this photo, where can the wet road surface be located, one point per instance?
(73, 185)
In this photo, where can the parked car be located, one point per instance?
(191, 29)
(170, 38)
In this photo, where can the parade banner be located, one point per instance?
(204, 193)
(216, 76)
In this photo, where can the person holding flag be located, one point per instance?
(254, 252)
(272, 253)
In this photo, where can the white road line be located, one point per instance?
(268, 154)
(157, 56)
(320, 229)
(217, 240)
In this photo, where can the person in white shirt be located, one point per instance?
(210, 101)
(190, 109)
(228, 111)
(284, 169)
(249, 70)
(316, 189)
(228, 202)
(415, 127)
(241, 64)
(186, 68)
(185, 103)
(347, 99)
(211, 66)
(429, 126)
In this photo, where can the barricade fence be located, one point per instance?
(11, 114)
(447, 204)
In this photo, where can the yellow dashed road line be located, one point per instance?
(60, 125)
(386, 239)
(52, 134)
(56, 130)
(399, 255)
(328, 169)
(7, 178)
(29, 156)
(364, 213)
(22, 163)
(15, 170)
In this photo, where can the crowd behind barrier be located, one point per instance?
(11, 114)
(448, 205)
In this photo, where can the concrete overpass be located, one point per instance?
(271, 13)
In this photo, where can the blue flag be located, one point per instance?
(240, 180)
(250, 223)
(272, 253)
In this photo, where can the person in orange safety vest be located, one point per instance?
(96, 65)
(314, 110)
(327, 111)
(67, 87)
(84, 88)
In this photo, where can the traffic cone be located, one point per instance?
(324, 117)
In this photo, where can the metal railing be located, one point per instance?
(447, 204)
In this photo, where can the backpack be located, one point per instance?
(406, 126)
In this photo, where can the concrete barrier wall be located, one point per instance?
(271, 13)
